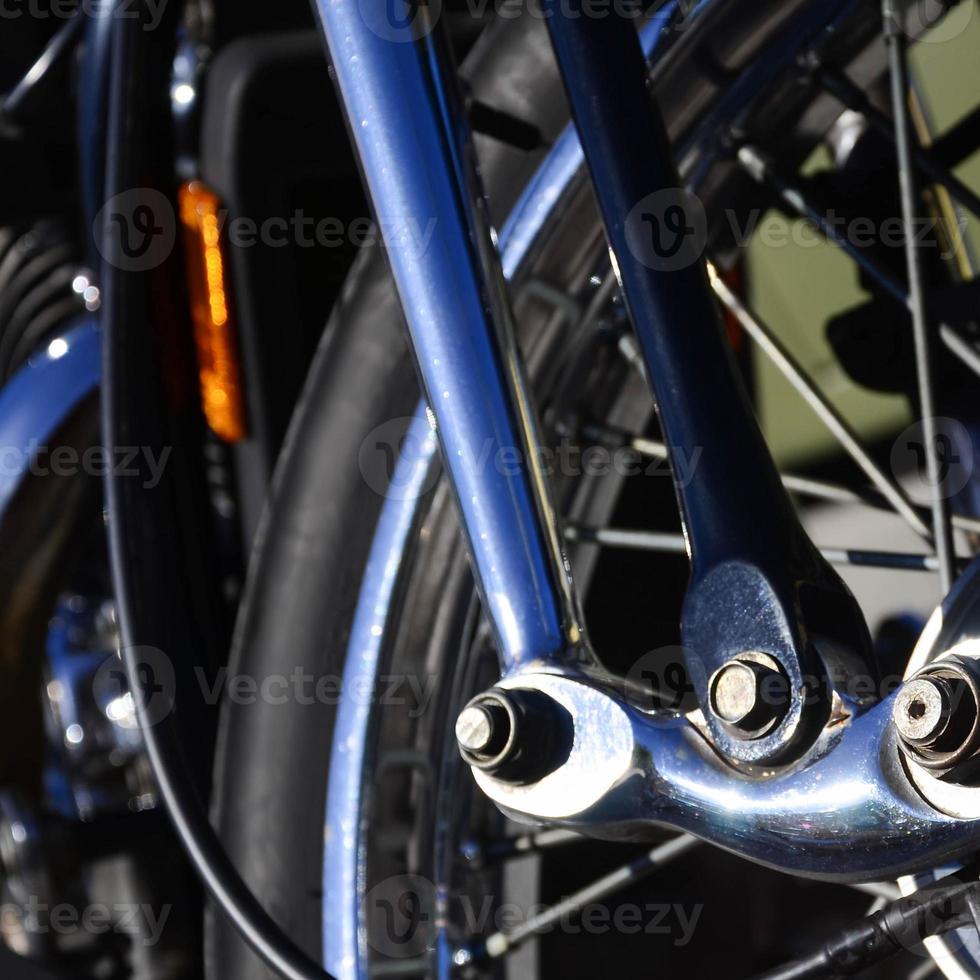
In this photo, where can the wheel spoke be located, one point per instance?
(666, 543)
(849, 95)
(500, 943)
(803, 486)
(898, 65)
(887, 890)
(630, 349)
(479, 854)
(662, 542)
(763, 171)
(793, 371)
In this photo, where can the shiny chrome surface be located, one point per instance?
(953, 632)
(952, 627)
(848, 812)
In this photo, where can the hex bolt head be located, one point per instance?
(922, 709)
(514, 734)
(749, 696)
(936, 714)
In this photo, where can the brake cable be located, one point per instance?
(121, 328)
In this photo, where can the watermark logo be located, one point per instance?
(135, 231)
(153, 701)
(384, 446)
(131, 462)
(149, 11)
(936, 21)
(667, 230)
(400, 914)
(67, 920)
(953, 449)
(407, 692)
(400, 21)
(659, 681)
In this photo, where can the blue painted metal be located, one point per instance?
(420, 173)
(752, 565)
(40, 397)
(345, 953)
(565, 160)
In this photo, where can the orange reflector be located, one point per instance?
(214, 332)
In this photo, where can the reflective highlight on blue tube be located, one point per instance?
(40, 397)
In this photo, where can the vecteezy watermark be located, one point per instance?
(139, 462)
(954, 453)
(399, 439)
(151, 10)
(156, 693)
(305, 231)
(667, 230)
(386, 444)
(935, 21)
(659, 681)
(152, 700)
(401, 914)
(413, 692)
(403, 21)
(400, 21)
(140, 921)
(136, 231)
(859, 232)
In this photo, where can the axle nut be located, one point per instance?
(514, 734)
(749, 694)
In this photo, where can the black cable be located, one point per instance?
(128, 552)
(60, 45)
(900, 925)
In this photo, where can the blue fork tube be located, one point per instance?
(700, 399)
(753, 568)
(407, 119)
